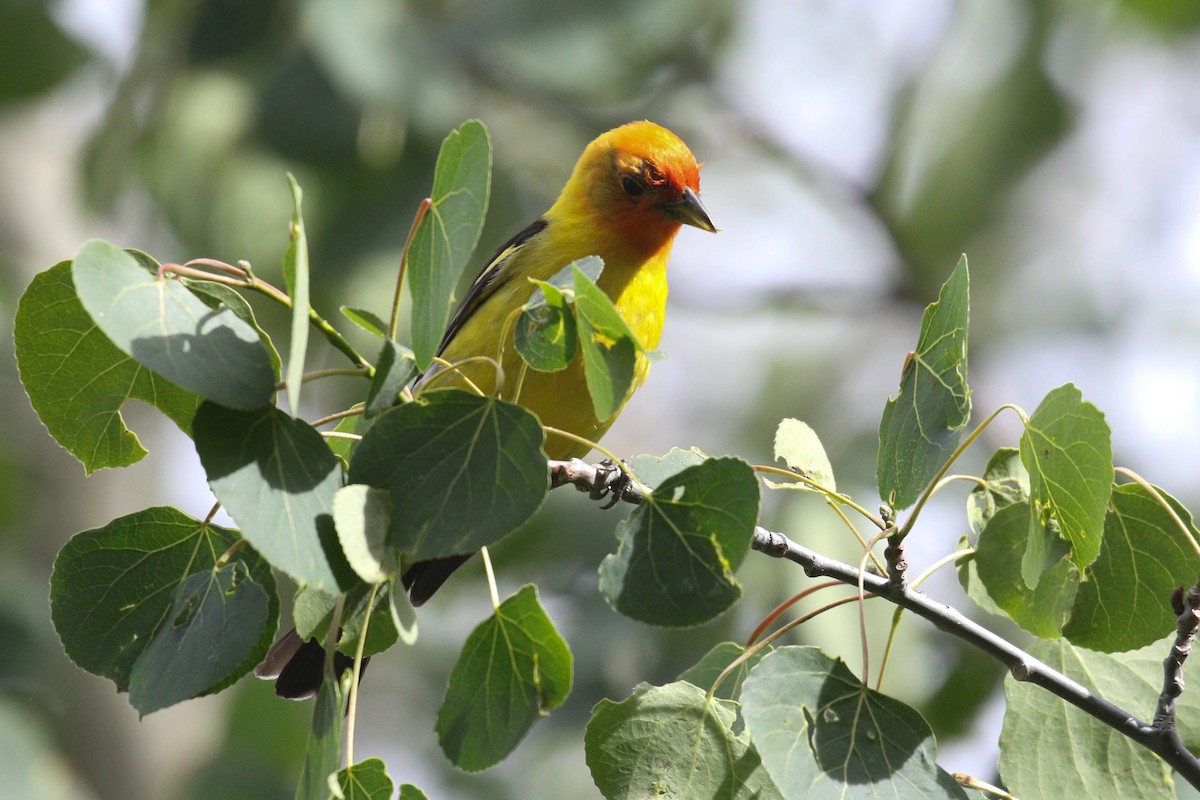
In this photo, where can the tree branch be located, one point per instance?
(1161, 738)
(1162, 741)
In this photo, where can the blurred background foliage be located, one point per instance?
(853, 151)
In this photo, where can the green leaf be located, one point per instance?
(706, 671)
(1049, 748)
(513, 669)
(324, 741)
(444, 239)
(410, 792)
(394, 368)
(366, 780)
(341, 446)
(462, 470)
(670, 742)
(1122, 603)
(362, 515)
(369, 321)
(654, 470)
(113, 586)
(216, 620)
(295, 273)
(968, 577)
(822, 734)
(1005, 482)
(219, 294)
(1042, 610)
(678, 551)
(610, 349)
(165, 327)
(798, 446)
(545, 334)
(924, 423)
(1068, 453)
(276, 476)
(313, 611)
(77, 380)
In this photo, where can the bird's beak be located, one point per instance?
(690, 211)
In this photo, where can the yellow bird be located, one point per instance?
(629, 194)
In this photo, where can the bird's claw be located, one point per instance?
(612, 480)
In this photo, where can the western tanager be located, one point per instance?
(629, 194)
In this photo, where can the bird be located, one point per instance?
(629, 194)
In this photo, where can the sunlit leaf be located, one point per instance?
(1123, 602)
(77, 380)
(220, 294)
(653, 470)
(706, 671)
(446, 236)
(671, 742)
(295, 273)
(361, 515)
(822, 734)
(1067, 450)
(1006, 481)
(162, 325)
(366, 780)
(1048, 748)
(391, 617)
(369, 321)
(798, 446)
(1044, 609)
(513, 669)
(925, 421)
(276, 476)
(610, 349)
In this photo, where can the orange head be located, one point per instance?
(639, 181)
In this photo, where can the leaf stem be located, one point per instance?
(1162, 501)
(817, 487)
(783, 607)
(862, 607)
(491, 578)
(349, 412)
(352, 703)
(958, 451)
(751, 651)
(422, 210)
(254, 283)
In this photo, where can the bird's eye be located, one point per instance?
(632, 186)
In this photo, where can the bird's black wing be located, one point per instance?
(488, 281)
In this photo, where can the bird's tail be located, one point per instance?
(297, 666)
